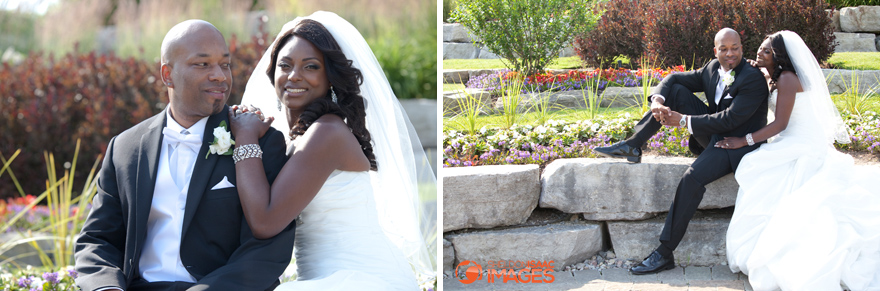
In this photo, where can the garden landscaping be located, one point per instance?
(521, 181)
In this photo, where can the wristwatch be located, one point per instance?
(682, 122)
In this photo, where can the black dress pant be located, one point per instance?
(681, 100)
(711, 164)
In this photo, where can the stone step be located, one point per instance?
(703, 244)
(860, 19)
(564, 243)
(855, 42)
(613, 189)
(489, 196)
(841, 80)
(453, 102)
(717, 278)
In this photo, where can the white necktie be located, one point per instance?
(186, 146)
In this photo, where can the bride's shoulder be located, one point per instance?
(788, 80)
(328, 125)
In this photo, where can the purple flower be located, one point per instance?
(72, 273)
(24, 282)
(467, 163)
(51, 277)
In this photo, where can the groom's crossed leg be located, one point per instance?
(681, 100)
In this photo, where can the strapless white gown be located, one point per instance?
(340, 244)
(805, 218)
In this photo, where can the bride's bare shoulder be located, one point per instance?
(788, 80)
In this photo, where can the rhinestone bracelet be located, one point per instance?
(749, 139)
(246, 151)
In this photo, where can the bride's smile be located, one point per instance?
(300, 75)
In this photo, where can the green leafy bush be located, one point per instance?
(528, 34)
(682, 32)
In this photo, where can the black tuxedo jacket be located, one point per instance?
(217, 246)
(745, 112)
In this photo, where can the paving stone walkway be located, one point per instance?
(718, 278)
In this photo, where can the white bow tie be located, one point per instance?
(192, 141)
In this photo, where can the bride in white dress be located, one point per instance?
(355, 165)
(805, 218)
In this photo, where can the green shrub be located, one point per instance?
(448, 6)
(528, 34)
(674, 32)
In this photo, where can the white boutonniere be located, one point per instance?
(728, 78)
(222, 144)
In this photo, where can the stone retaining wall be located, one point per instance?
(486, 209)
(459, 43)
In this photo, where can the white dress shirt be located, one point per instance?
(160, 259)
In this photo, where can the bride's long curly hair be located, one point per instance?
(780, 57)
(344, 79)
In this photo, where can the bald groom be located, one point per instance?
(167, 214)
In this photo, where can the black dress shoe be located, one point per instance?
(621, 150)
(654, 263)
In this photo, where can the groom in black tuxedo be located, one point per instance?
(737, 96)
(167, 214)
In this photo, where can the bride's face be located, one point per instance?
(765, 55)
(300, 75)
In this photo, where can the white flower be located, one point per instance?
(222, 141)
(728, 78)
(540, 129)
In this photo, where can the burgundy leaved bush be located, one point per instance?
(681, 32)
(47, 103)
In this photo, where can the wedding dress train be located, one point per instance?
(805, 218)
(340, 244)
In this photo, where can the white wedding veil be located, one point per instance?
(403, 170)
(813, 81)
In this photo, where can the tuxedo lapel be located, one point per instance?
(203, 168)
(713, 84)
(736, 73)
(148, 163)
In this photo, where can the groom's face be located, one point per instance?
(200, 73)
(728, 50)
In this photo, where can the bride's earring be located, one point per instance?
(332, 94)
(279, 104)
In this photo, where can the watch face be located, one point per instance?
(681, 122)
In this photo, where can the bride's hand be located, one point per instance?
(248, 122)
(731, 143)
(752, 62)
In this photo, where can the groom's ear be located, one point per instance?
(165, 74)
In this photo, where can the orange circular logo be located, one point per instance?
(471, 273)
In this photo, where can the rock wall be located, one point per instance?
(458, 43)
(497, 212)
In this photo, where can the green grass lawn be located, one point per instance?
(452, 87)
(482, 64)
(847, 60)
(856, 60)
(496, 120)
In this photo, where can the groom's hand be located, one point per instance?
(660, 111)
(673, 119)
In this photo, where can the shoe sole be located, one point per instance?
(630, 159)
(664, 268)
